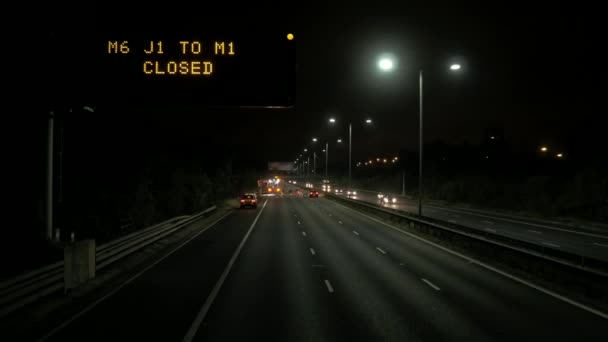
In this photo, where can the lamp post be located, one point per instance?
(386, 64)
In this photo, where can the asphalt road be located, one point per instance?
(583, 241)
(300, 269)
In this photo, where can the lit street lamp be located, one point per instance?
(386, 64)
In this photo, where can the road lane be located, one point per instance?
(161, 303)
(276, 290)
(507, 310)
(567, 238)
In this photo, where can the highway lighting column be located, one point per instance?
(420, 190)
(326, 157)
(49, 176)
(350, 139)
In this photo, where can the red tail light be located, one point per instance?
(242, 201)
(253, 201)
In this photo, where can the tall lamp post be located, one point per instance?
(386, 64)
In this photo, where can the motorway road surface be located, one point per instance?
(590, 243)
(300, 269)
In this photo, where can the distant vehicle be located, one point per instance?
(339, 191)
(270, 186)
(249, 200)
(326, 187)
(326, 181)
(351, 194)
(386, 199)
(313, 194)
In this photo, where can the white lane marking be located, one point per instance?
(534, 231)
(452, 221)
(128, 281)
(330, 288)
(299, 222)
(380, 250)
(312, 251)
(340, 222)
(304, 233)
(435, 287)
(600, 244)
(532, 224)
(490, 230)
(218, 285)
(355, 232)
(489, 268)
(550, 244)
(488, 222)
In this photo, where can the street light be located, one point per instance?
(386, 64)
(314, 139)
(305, 150)
(544, 149)
(339, 140)
(332, 120)
(369, 121)
(455, 67)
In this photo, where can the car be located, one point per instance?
(387, 199)
(351, 194)
(313, 194)
(249, 200)
(339, 191)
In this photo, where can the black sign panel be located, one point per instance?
(211, 63)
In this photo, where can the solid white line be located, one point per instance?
(534, 231)
(312, 251)
(431, 285)
(380, 250)
(550, 244)
(304, 233)
(490, 230)
(355, 232)
(488, 267)
(330, 289)
(128, 281)
(530, 224)
(452, 221)
(488, 222)
(198, 320)
(340, 222)
(600, 244)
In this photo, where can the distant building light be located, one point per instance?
(559, 155)
(492, 137)
(544, 149)
(487, 157)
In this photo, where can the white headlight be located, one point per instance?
(394, 200)
(354, 192)
(385, 199)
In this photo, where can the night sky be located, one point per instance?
(533, 72)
